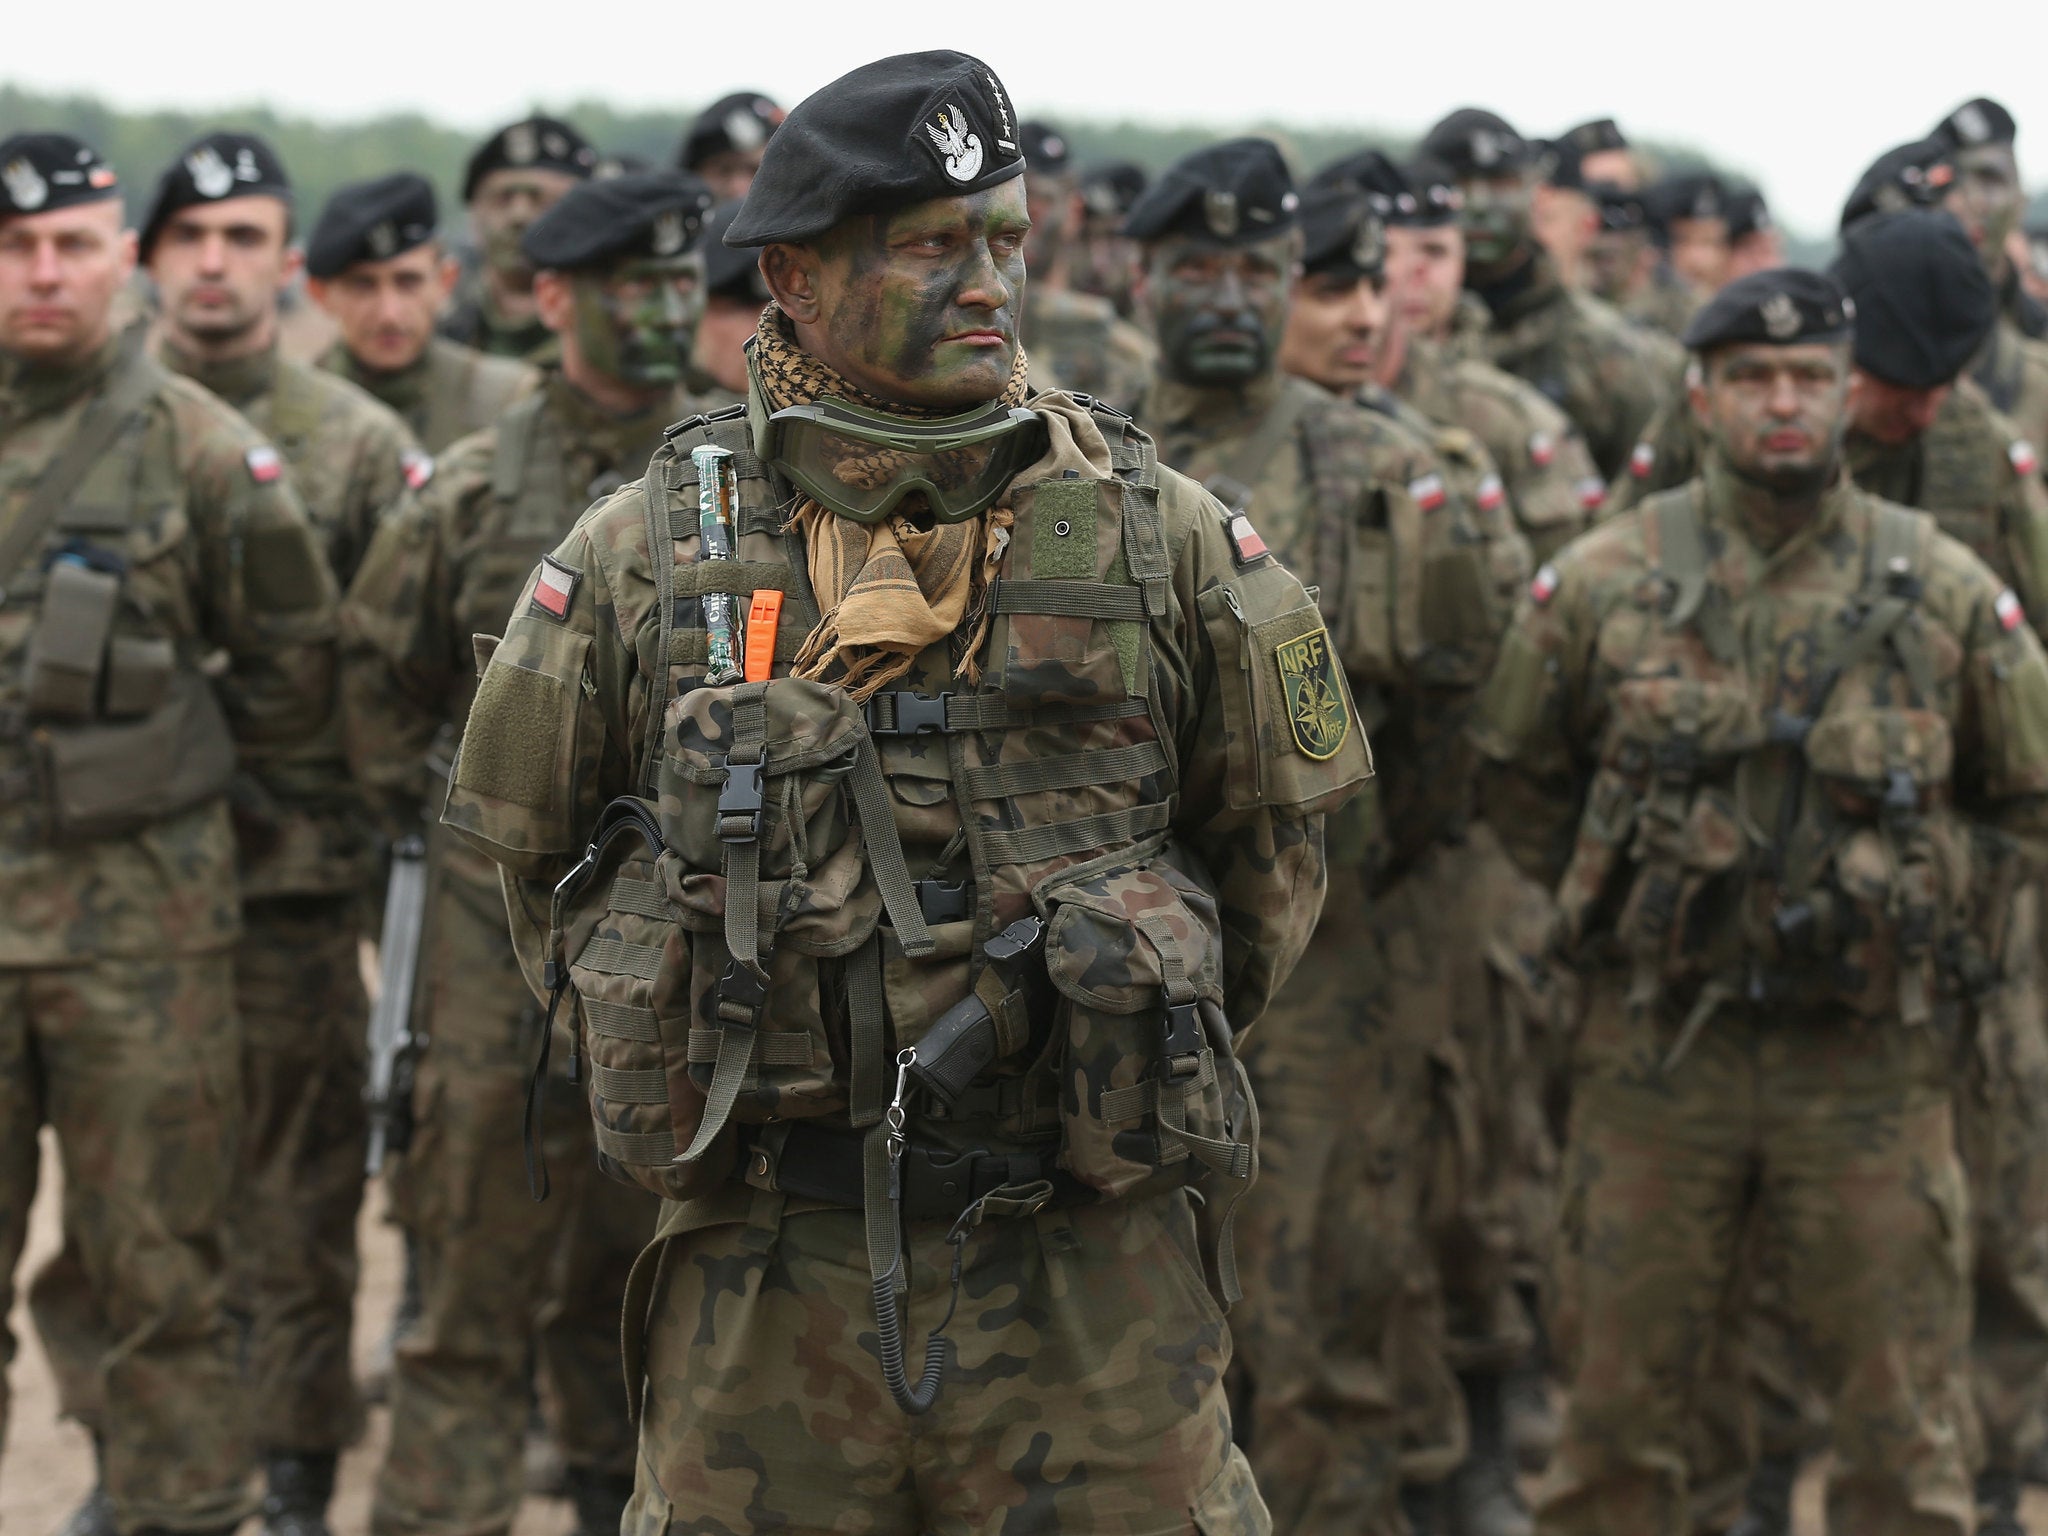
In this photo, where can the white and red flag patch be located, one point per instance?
(554, 588)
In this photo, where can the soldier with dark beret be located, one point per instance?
(723, 146)
(168, 622)
(618, 278)
(1104, 260)
(1606, 374)
(514, 176)
(375, 261)
(735, 293)
(1754, 241)
(1768, 1037)
(929, 1261)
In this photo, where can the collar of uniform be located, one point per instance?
(29, 389)
(1765, 524)
(238, 380)
(1530, 287)
(1173, 407)
(401, 389)
(589, 427)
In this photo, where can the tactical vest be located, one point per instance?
(121, 727)
(1855, 897)
(753, 955)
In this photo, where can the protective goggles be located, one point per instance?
(862, 463)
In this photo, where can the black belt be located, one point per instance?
(817, 1163)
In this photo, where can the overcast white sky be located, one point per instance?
(1798, 94)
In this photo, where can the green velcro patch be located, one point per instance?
(281, 571)
(1123, 634)
(508, 751)
(1067, 555)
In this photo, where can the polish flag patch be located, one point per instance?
(1642, 461)
(2010, 614)
(1544, 587)
(2022, 455)
(264, 464)
(1491, 494)
(1591, 492)
(1245, 538)
(1429, 492)
(419, 468)
(554, 588)
(1542, 449)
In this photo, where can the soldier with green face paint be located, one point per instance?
(1340, 1333)
(514, 177)
(618, 279)
(1606, 374)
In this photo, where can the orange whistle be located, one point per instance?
(762, 618)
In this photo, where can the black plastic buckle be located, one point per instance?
(943, 903)
(1901, 794)
(740, 795)
(744, 991)
(1015, 942)
(1785, 730)
(915, 714)
(1183, 1039)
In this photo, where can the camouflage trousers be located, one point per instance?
(1837, 1140)
(507, 1284)
(1340, 1333)
(291, 1242)
(1086, 1393)
(134, 1064)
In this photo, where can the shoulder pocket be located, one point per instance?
(514, 786)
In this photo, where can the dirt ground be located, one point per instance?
(47, 1466)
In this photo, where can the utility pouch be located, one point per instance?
(111, 778)
(67, 653)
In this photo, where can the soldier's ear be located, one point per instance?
(791, 273)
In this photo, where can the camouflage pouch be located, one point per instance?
(1879, 869)
(110, 778)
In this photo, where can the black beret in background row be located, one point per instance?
(1778, 308)
(211, 169)
(1045, 148)
(1924, 304)
(643, 213)
(1237, 192)
(1475, 142)
(743, 121)
(730, 273)
(891, 134)
(1342, 233)
(1981, 121)
(42, 172)
(1913, 175)
(532, 143)
(1113, 187)
(372, 221)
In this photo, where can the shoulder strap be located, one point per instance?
(135, 381)
(1251, 459)
(1892, 583)
(1681, 554)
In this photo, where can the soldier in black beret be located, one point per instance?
(1563, 216)
(735, 293)
(1922, 310)
(1603, 152)
(1621, 261)
(515, 176)
(1915, 175)
(1104, 261)
(212, 169)
(1339, 307)
(42, 172)
(376, 263)
(1689, 218)
(1754, 241)
(911, 529)
(1987, 195)
(723, 146)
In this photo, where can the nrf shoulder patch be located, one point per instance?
(1317, 710)
(554, 588)
(264, 464)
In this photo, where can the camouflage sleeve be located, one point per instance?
(2002, 737)
(1565, 494)
(268, 599)
(1268, 741)
(402, 662)
(1667, 454)
(2023, 517)
(390, 468)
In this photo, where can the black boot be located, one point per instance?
(1998, 1504)
(599, 1499)
(301, 1483)
(1481, 1498)
(1767, 1501)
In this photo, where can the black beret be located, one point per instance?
(1563, 164)
(1748, 213)
(624, 163)
(1778, 308)
(1621, 209)
(1045, 148)
(211, 169)
(1593, 138)
(891, 134)
(41, 172)
(1342, 234)
(532, 143)
(1237, 192)
(643, 213)
(744, 120)
(1687, 195)
(1474, 142)
(1913, 175)
(730, 273)
(372, 221)
(1982, 121)
(1113, 187)
(1924, 304)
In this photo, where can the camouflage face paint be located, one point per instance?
(1220, 310)
(1496, 217)
(1775, 415)
(920, 307)
(506, 202)
(637, 321)
(1986, 199)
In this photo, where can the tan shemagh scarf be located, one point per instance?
(887, 589)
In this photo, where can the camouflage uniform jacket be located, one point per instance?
(447, 392)
(215, 556)
(1077, 342)
(450, 567)
(1626, 745)
(1665, 304)
(1553, 487)
(1606, 374)
(352, 462)
(1414, 580)
(2012, 370)
(471, 321)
